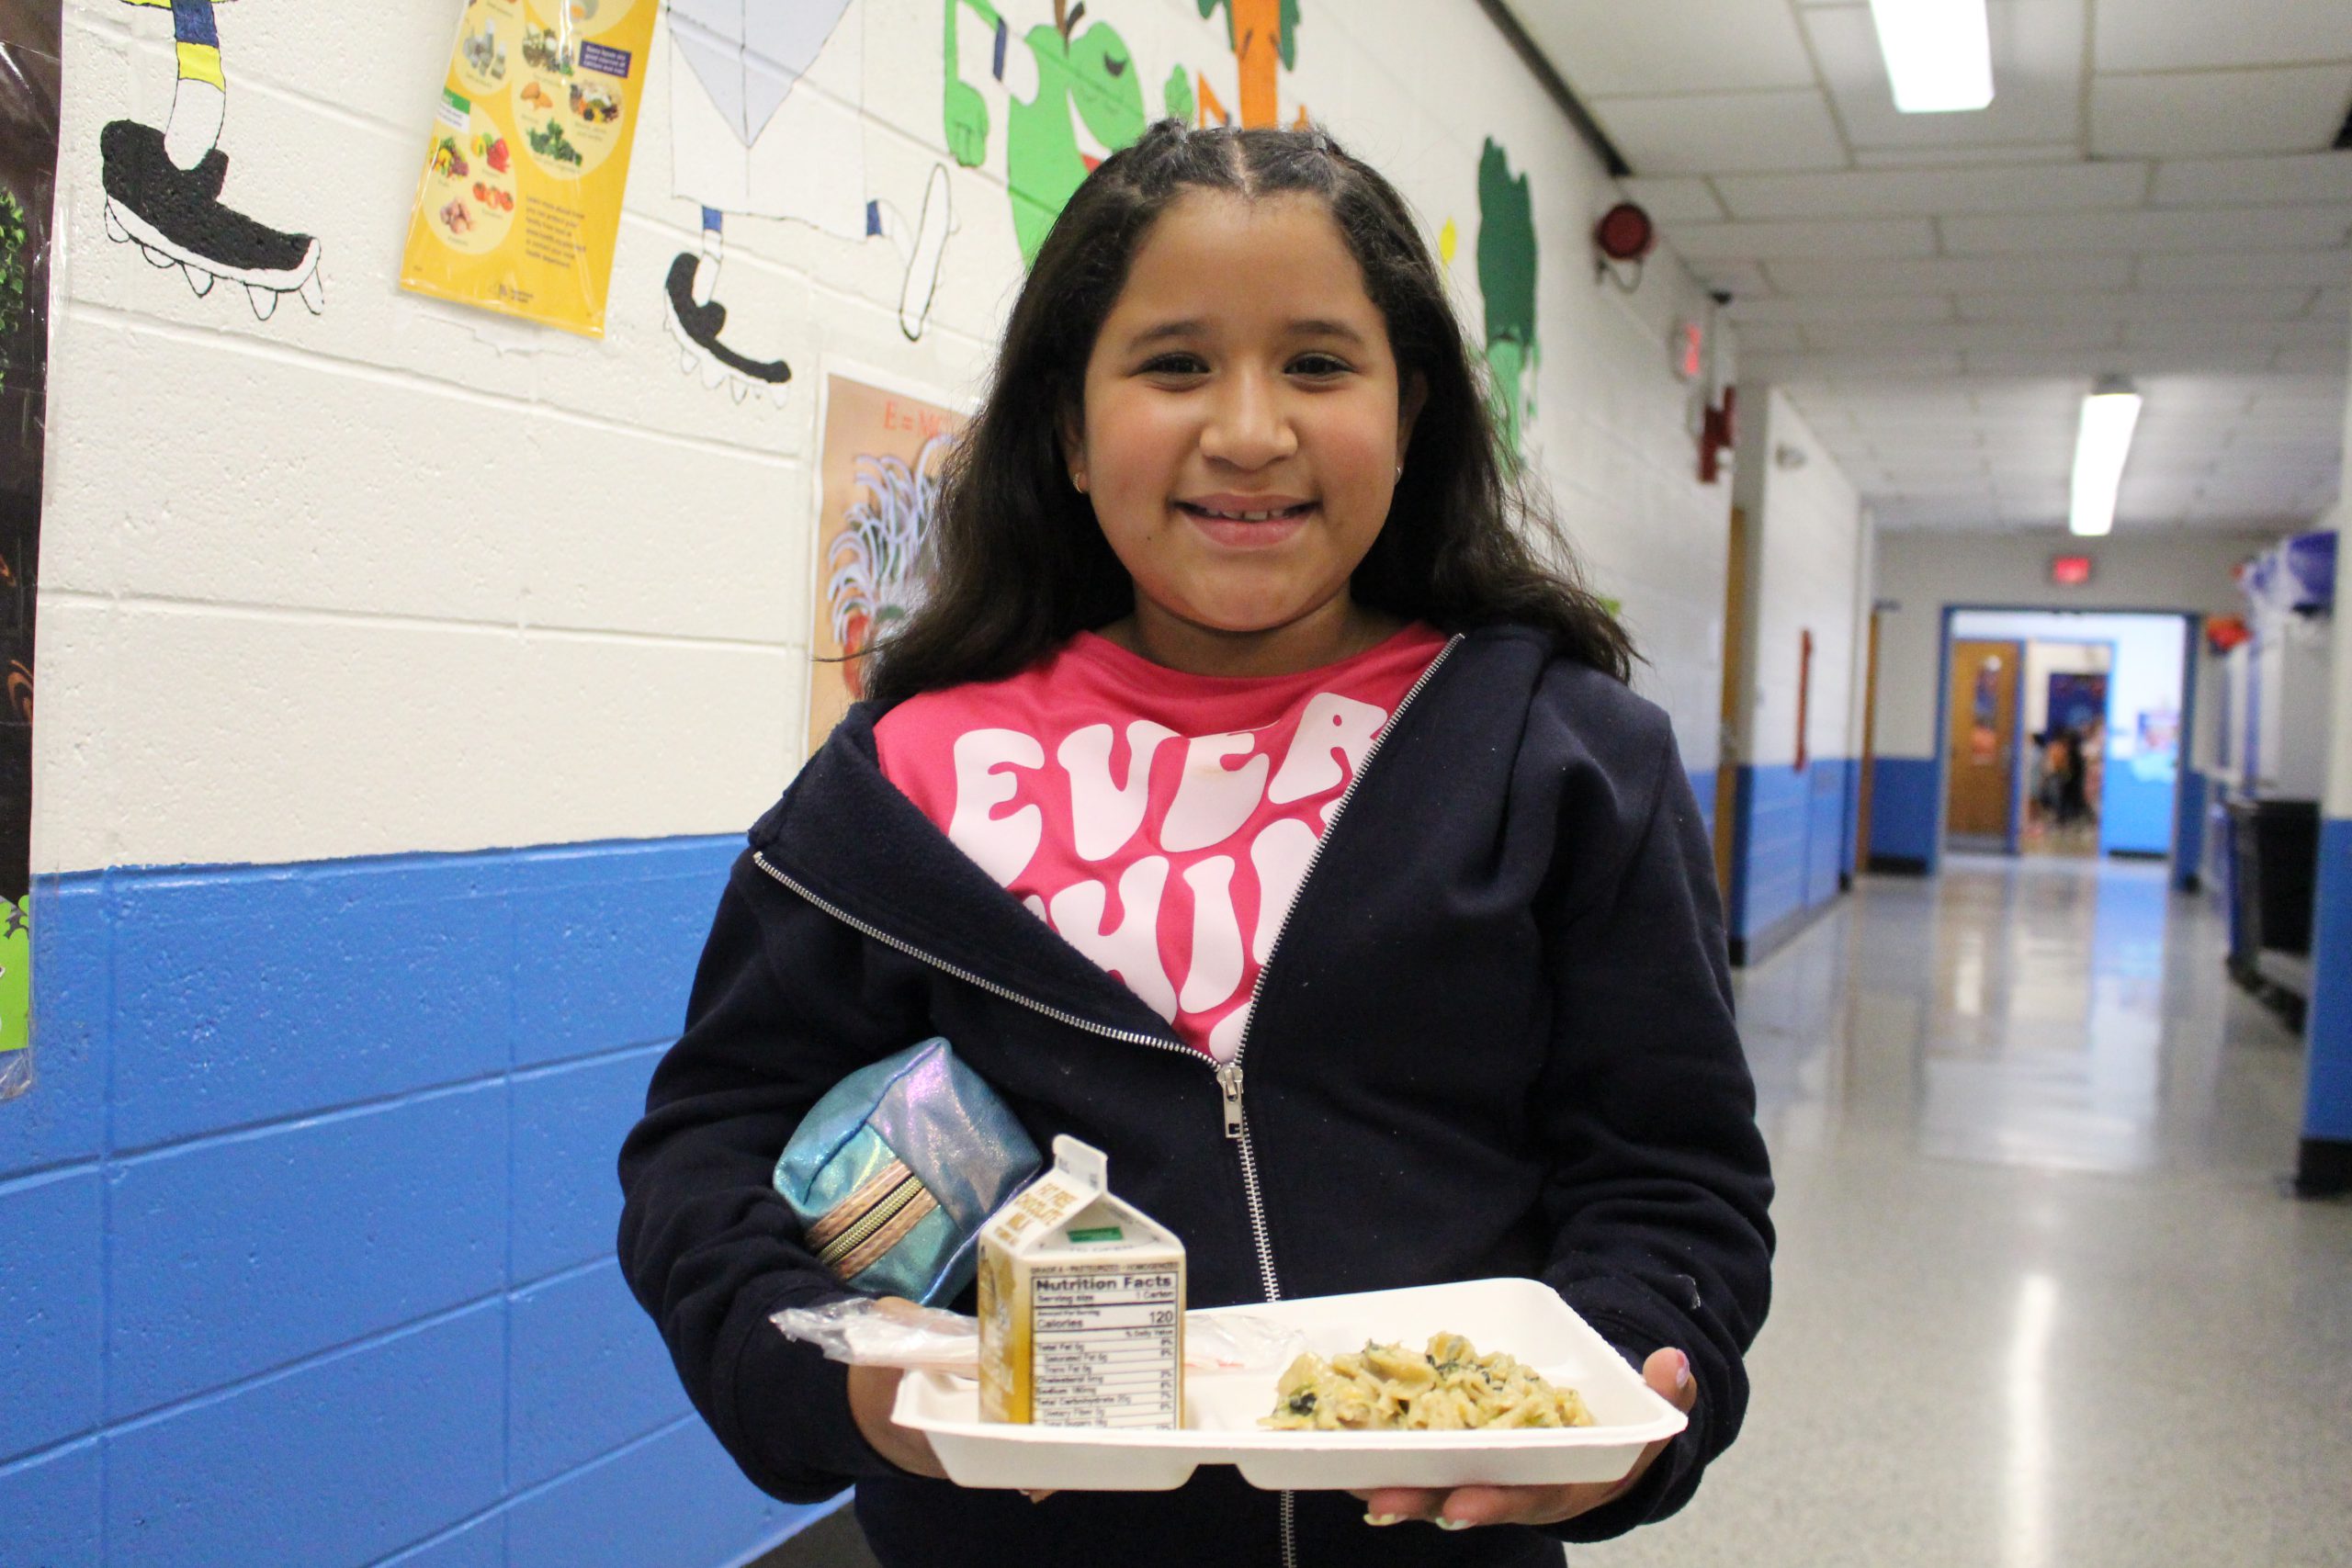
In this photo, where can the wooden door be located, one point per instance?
(1981, 737)
(1734, 684)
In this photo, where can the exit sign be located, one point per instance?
(2070, 571)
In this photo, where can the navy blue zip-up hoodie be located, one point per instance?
(1495, 1038)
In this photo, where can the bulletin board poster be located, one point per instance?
(29, 97)
(519, 204)
(878, 491)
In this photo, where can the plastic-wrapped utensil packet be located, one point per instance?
(865, 1332)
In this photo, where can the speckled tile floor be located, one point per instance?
(2041, 1304)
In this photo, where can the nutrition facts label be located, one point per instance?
(1106, 1346)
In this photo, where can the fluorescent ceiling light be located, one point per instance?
(1938, 53)
(2109, 415)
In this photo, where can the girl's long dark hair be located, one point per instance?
(1016, 564)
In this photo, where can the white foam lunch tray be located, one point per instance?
(1522, 1317)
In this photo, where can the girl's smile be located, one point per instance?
(1248, 522)
(1242, 430)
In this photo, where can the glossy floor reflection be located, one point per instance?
(2039, 1302)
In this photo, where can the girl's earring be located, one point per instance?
(1078, 484)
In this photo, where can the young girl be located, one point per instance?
(1248, 800)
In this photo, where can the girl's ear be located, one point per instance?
(1409, 401)
(1073, 448)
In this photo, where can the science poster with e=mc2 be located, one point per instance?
(878, 491)
(519, 203)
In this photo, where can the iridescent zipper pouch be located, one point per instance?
(894, 1171)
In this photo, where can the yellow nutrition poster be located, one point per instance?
(520, 201)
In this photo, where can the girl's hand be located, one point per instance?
(872, 1392)
(1668, 1372)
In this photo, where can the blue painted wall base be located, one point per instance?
(2188, 832)
(2325, 1167)
(306, 1226)
(1903, 812)
(1791, 850)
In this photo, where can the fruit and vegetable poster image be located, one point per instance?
(519, 203)
(880, 477)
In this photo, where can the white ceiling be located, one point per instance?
(2151, 194)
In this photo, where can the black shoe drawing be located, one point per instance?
(176, 218)
(696, 328)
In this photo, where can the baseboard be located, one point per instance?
(2323, 1168)
(1748, 950)
(1898, 865)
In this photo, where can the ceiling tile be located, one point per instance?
(2037, 79)
(1764, 338)
(1963, 336)
(1865, 366)
(1733, 134)
(1953, 464)
(2306, 357)
(1668, 46)
(2186, 333)
(1953, 275)
(2152, 35)
(1861, 307)
(1739, 279)
(2142, 361)
(2244, 305)
(1676, 199)
(2219, 113)
(2279, 394)
(2221, 270)
(1990, 154)
(2186, 228)
(1859, 237)
(1928, 192)
(2256, 181)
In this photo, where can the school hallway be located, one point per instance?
(456, 474)
(2038, 1298)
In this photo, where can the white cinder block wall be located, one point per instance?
(501, 582)
(1812, 567)
(1809, 546)
(407, 677)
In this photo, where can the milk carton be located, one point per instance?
(1082, 1305)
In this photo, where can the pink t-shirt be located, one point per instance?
(1161, 822)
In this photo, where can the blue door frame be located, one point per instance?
(2192, 624)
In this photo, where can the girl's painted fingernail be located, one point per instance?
(1681, 1369)
(1454, 1524)
(1383, 1520)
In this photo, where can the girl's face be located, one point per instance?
(1243, 426)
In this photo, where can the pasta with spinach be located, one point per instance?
(1448, 1388)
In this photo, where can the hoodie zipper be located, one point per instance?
(1228, 1073)
(886, 939)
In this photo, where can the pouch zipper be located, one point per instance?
(1228, 1074)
